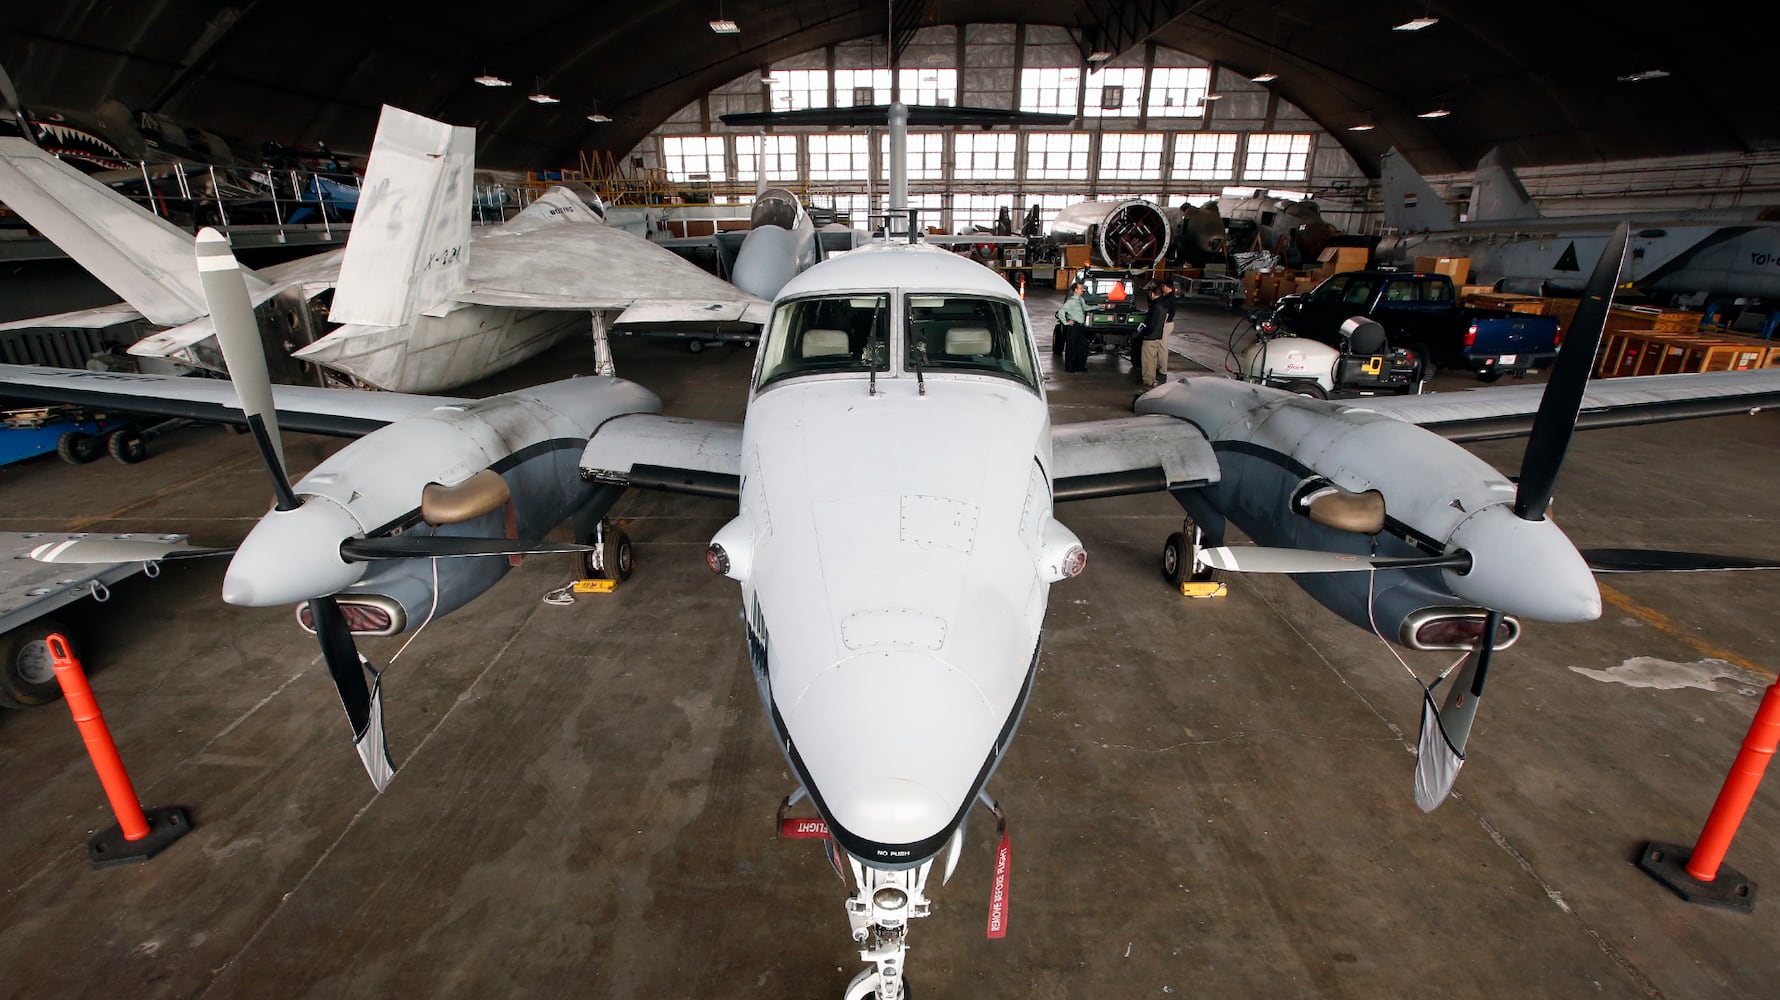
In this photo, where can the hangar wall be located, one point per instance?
(1160, 138)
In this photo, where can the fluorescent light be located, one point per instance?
(1362, 127)
(542, 98)
(1417, 24)
(596, 118)
(1436, 113)
(1099, 55)
(1267, 77)
(724, 26)
(1212, 97)
(1642, 75)
(489, 80)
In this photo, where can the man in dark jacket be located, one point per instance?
(1154, 368)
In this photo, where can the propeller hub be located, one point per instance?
(1524, 568)
(292, 556)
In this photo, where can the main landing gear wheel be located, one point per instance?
(1177, 560)
(611, 557)
(28, 674)
(127, 447)
(78, 447)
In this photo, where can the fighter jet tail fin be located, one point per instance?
(145, 259)
(1497, 193)
(1410, 204)
(409, 248)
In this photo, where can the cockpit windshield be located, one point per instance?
(949, 333)
(842, 333)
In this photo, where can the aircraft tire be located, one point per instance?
(126, 446)
(695, 345)
(619, 559)
(27, 677)
(1176, 559)
(77, 447)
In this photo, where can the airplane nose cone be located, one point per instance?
(293, 555)
(1528, 569)
(766, 260)
(893, 772)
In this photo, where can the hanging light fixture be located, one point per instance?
(488, 79)
(1268, 75)
(594, 116)
(722, 25)
(539, 96)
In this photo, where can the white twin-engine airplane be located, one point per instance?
(913, 575)
(418, 303)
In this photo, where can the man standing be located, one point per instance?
(1155, 336)
(1074, 317)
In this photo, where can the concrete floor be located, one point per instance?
(1207, 798)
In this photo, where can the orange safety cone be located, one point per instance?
(1022, 284)
(1700, 875)
(138, 835)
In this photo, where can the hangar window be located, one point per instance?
(979, 210)
(1277, 156)
(928, 86)
(1050, 89)
(1050, 204)
(984, 155)
(780, 152)
(1178, 91)
(1131, 155)
(967, 333)
(839, 157)
(852, 84)
(693, 157)
(1116, 92)
(1204, 156)
(926, 155)
(823, 335)
(1057, 156)
(797, 89)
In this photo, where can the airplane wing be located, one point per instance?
(1102, 458)
(599, 267)
(82, 319)
(141, 257)
(1507, 411)
(314, 274)
(338, 412)
(676, 454)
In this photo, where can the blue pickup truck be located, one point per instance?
(1421, 312)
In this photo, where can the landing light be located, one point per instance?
(717, 559)
(890, 899)
(1074, 562)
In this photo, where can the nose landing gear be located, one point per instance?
(879, 910)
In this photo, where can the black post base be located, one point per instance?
(1667, 863)
(108, 847)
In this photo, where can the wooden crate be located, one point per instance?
(1076, 254)
(1679, 321)
(1456, 268)
(1511, 302)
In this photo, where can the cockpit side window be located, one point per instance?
(842, 333)
(968, 333)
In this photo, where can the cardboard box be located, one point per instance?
(1334, 260)
(1456, 268)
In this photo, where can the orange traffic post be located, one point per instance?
(138, 835)
(1700, 875)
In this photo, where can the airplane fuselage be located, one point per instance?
(894, 590)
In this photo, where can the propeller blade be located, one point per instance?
(9, 95)
(1259, 559)
(447, 546)
(1555, 422)
(238, 334)
(363, 703)
(1445, 731)
(119, 550)
(1668, 561)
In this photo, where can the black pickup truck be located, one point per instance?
(1421, 312)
